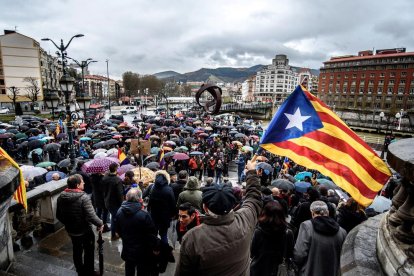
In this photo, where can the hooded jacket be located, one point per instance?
(191, 194)
(137, 231)
(220, 245)
(162, 202)
(318, 246)
(75, 211)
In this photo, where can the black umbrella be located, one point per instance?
(64, 163)
(240, 135)
(190, 129)
(33, 130)
(24, 128)
(153, 165)
(100, 253)
(12, 130)
(51, 147)
(283, 184)
(160, 129)
(64, 142)
(265, 166)
(111, 142)
(34, 144)
(99, 144)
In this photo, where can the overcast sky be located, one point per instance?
(149, 36)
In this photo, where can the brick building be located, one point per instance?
(369, 83)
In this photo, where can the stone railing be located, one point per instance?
(395, 241)
(40, 218)
(9, 181)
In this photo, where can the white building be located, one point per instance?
(248, 88)
(21, 57)
(275, 81)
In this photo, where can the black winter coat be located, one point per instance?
(98, 190)
(137, 231)
(348, 219)
(162, 202)
(114, 191)
(75, 211)
(267, 250)
(178, 187)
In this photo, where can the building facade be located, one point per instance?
(368, 82)
(275, 81)
(97, 87)
(248, 88)
(19, 60)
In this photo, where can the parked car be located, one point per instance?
(4, 110)
(129, 110)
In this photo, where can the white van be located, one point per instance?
(129, 110)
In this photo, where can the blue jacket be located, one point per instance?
(137, 231)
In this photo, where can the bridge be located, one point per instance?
(262, 111)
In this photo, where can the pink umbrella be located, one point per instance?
(123, 169)
(180, 156)
(117, 136)
(98, 165)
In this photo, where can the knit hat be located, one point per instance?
(192, 183)
(219, 199)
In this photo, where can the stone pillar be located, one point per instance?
(9, 181)
(395, 241)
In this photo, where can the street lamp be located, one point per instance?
(83, 64)
(62, 48)
(381, 115)
(66, 86)
(398, 116)
(109, 97)
(84, 102)
(52, 101)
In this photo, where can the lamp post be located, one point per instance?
(52, 101)
(381, 115)
(109, 94)
(66, 86)
(146, 96)
(398, 116)
(83, 99)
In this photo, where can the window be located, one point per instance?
(381, 82)
(379, 91)
(362, 75)
(391, 82)
(1, 82)
(392, 74)
(382, 75)
(3, 91)
(372, 75)
(403, 74)
(400, 90)
(402, 82)
(346, 76)
(354, 76)
(389, 90)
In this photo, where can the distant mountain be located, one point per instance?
(221, 74)
(166, 74)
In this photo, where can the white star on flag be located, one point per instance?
(296, 120)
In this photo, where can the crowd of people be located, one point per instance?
(246, 226)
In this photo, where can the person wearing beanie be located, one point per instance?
(319, 236)
(221, 244)
(161, 205)
(191, 193)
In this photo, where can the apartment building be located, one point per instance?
(275, 81)
(369, 82)
(97, 87)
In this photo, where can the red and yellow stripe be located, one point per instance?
(336, 151)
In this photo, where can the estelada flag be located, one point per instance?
(147, 136)
(305, 130)
(20, 193)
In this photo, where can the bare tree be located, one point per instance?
(33, 89)
(14, 96)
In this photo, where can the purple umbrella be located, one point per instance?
(123, 169)
(181, 156)
(98, 165)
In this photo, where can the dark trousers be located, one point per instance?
(102, 213)
(113, 212)
(84, 246)
(141, 269)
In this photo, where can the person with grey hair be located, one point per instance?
(319, 236)
(74, 209)
(138, 233)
